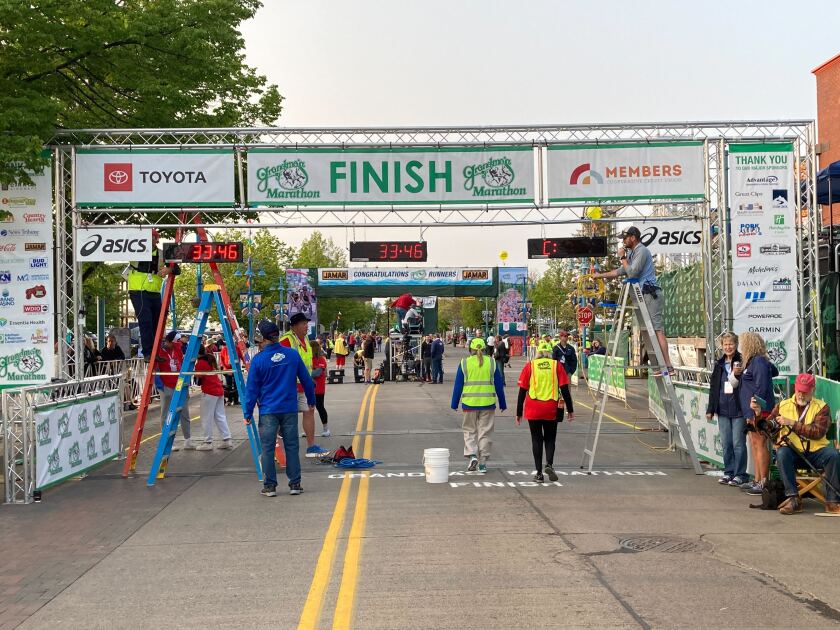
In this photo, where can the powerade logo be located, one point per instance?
(112, 245)
(657, 236)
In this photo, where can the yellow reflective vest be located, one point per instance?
(544, 384)
(787, 410)
(142, 281)
(479, 389)
(304, 349)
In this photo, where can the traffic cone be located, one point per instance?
(279, 453)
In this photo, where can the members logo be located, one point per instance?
(774, 249)
(659, 236)
(118, 177)
(584, 175)
(767, 180)
(497, 175)
(37, 263)
(287, 180)
(34, 217)
(782, 284)
(749, 229)
(112, 245)
(744, 250)
(780, 198)
(35, 247)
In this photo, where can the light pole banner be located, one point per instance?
(626, 171)
(27, 313)
(144, 178)
(72, 437)
(404, 176)
(377, 277)
(762, 210)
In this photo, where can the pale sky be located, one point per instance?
(451, 62)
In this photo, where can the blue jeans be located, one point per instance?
(437, 370)
(826, 459)
(734, 442)
(400, 315)
(287, 424)
(147, 307)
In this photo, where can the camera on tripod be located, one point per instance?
(768, 426)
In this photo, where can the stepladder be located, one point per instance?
(210, 298)
(677, 425)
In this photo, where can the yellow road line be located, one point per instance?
(311, 613)
(152, 437)
(613, 418)
(343, 617)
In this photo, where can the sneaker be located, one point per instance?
(188, 445)
(205, 446)
(226, 444)
(746, 485)
(736, 481)
(303, 434)
(315, 451)
(269, 491)
(482, 469)
(326, 432)
(473, 465)
(549, 470)
(539, 478)
(756, 489)
(295, 489)
(725, 480)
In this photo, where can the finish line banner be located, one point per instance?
(406, 176)
(375, 277)
(762, 214)
(626, 171)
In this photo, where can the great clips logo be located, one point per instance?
(118, 177)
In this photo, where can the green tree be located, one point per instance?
(123, 63)
(106, 282)
(553, 290)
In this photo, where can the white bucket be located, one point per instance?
(436, 463)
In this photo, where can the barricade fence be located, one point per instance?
(57, 431)
(134, 375)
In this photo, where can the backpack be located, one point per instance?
(772, 495)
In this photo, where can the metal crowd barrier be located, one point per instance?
(134, 375)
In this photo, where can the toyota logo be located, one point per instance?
(118, 177)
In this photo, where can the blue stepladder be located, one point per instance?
(209, 297)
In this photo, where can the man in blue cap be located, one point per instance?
(272, 384)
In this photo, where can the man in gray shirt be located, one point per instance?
(637, 264)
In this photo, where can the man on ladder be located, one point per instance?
(637, 264)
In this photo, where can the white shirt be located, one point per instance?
(491, 341)
(410, 314)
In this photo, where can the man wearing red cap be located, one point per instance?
(804, 423)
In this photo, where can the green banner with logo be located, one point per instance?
(614, 379)
(399, 176)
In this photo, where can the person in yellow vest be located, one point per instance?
(297, 338)
(145, 280)
(541, 384)
(478, 385)
(804, 422)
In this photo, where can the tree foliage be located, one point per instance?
(554, 289)
(123, 63)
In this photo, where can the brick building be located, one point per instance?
(828, 119)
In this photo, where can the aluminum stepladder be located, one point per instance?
(664, 384)
(211, 296)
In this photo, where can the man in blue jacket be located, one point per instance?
(272, 384)
(565, 354)
(437, 360)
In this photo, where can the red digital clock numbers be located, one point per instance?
(203, 252)
(388, 251)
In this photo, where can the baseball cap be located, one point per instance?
(544, 346)
(563, 333)
(173, 335)
(631, 231)
(268, 329)
(298, 317)
(805, 383)
(477, 344)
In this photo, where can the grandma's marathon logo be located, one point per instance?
(778, 354)
(492, 178)
(22, 366)
(286, 180)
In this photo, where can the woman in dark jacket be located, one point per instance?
(724, 402)
(756, 379)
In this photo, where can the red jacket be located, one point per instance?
(210, 384)
(404, 301)
(541, 409)
(320, 381)
(170, 361)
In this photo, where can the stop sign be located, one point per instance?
(585, 316)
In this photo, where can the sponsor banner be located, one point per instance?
(509, 305)
(693, 401)
(404, 176)
(114, 245)
(26, 283)
(154, 177)
(300, 285)
(72, 437)
(594, 172)
(437, 276)
(763, 237)
(613, 380)
(671, 237)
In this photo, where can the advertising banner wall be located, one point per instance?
(614, 380)
(671, 237)
(375, 277)
(763, 235)
(300, 286)
(154, 177)
(390, 176)
(510, 314)
(117, 245)
(74, 436)
(593, 172)
(27, 313)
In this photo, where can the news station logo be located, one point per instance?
(5, 277)
(34, 308)
(743, 250)
(118, 177)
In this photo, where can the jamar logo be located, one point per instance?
(335, 275)
(474, 274)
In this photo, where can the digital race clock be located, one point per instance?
(576, 247)
(388, 251)
(203, 252)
